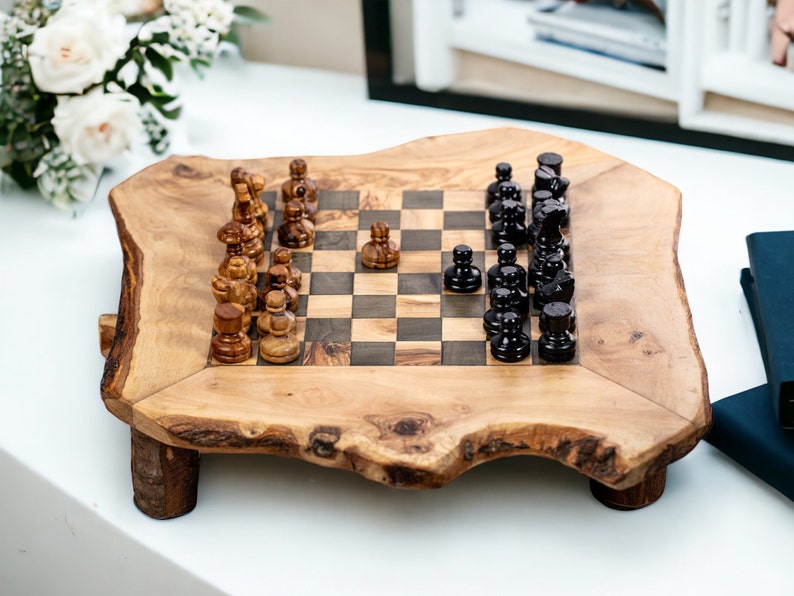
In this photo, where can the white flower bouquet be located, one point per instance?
(80, 86)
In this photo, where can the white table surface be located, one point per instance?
(267, 525)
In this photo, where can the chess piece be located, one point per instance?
(501, 303)
(243, 210)
(539, 196)
(510, 226)
(511, 344)
(550, 240)
(507, 191)
(275, 303)
(235, 236)
(298, 178)
(539, 212)
(506, 255)
(514, 283)
(557, 344)
(380, 252)
(255, 184)
(283, 256)
(309, 208)
(462, 276)
(239, 291)
(230, 345)
(547, 179)
(504, 172)
(281, 345)
(277, 277)
(251, 240)
(239, 267)
(560, 289)
(295, 232)
(552, 160)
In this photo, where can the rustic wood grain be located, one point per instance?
(636, 401)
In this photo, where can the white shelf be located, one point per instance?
(736, 75)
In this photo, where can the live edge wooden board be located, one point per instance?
(634, 401)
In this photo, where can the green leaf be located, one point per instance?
(161, 63)
(233, 36)
(249, 15)
(170, 114)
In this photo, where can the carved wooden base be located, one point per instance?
(636, 497)
(164, 478)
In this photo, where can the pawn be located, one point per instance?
(380, 252)
(511, 344)
(501, 303)
(508, 191)
(504, 172)
(238, 291)
(506, 255)
(552, 160)
(281, 345)
(283, 256)
(557, 344)
(295, 232)
(235, 235)
(510, 227)
(298, 176)
(230, 345)
(462, 276)
(309, 208)
(277, 277)
(275, 303)
(519, 296)
(239, 267)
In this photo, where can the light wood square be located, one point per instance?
(422, 219)
(418, 305)
(373, 330)
(375, 284)
(464, 200)
(381, 199)
(417, 353)
(473, 238)
(329, 307)
(462, 329)
(420, 261)
(333, 261)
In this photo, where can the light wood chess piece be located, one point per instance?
(275, 302)
(230, 345)
(295, 232)
(255, 184)
(381, 252)
(281, 345)
(234, 235)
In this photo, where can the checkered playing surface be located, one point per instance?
(349, 315)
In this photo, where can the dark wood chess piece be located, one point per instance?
(230, 345)
(381, 252)
(514, 283)
(462, 276)
(550, 240)
(243, 210)
(283, 256)
(277, 277)
(298, 177)
(501, 303)
(506, 191)
(511, 344)
(506, 255)
(504, 172)
(295, 232)
(552, 160)
(557, 344)
(559, 289)
(255, 184)
(510, 227)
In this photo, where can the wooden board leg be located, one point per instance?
(164, 478)
(640, 495)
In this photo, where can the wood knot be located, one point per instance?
(407, 424)
(323, 439)
(184, 171)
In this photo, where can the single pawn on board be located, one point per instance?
(295, 232)
(281, 345)
(462, 276)
(234, 235)
(277, 277)
(511, 344)
(507, 191)
(381, 252)
(255, 184)
(557, 344)
(283, 256)
(510, 226)
(552, 160)
(514, 283)
(275, 303)
(501, 303)
(504, 172)
(243, 209)
(506, 255)
(230, 345)
(298, 176)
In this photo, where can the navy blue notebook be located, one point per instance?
(769, 289)
(744, 427)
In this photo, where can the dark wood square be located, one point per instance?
(465, 220)
(419, 283)
(420, 240)
(423, 199)
(463, 353)
(327, 330)
(374, 307)
(372, 353)
(341, 200)
(269, 197)
(335, 240)
(419, 329)
(458, 306)
(332, 283)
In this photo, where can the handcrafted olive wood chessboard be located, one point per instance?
(395, 380)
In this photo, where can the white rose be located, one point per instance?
(216, 15)
(76, 48)
(97, 127)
